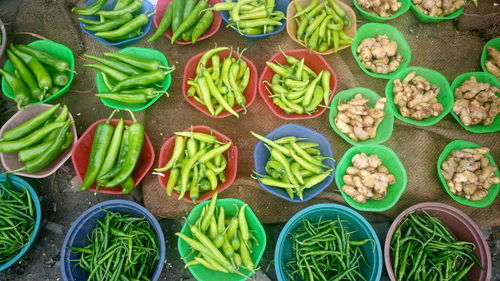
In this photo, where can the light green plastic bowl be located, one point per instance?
(139, 52)
(481, 77)
(421, 16)
(492, 192)
(371, 30)
(384, 130)
(495, 43)
(55, 49)
(372, 17)
(230, 208)
(389, 160)
(445, 96)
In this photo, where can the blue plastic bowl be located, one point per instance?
(283, 252)
(281, 5)
(20, 184)
(262, 154)
(147, 8)
(83, 226)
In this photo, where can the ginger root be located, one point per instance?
(358, 120)
(476, 102)
(493, 62)
(367, 178)
(468, 173)
(416, 98)
(379, 54)
(438, 8)
(382, 8)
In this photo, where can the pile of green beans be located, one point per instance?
(123, 22)
(114, 155)
(325, 250)
(40, 140)
(295, 88)
(220, 82)
(130, 79)
(17, 221)
(197, 164)
(294, 165)
(189, 19)
(37, 75)
(320, 25)
(252, 17)
(221, 243)
(422, 248)
(121, 247)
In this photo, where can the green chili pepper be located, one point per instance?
(165, 23)
(192, 19)
(113, 149)
(121, 159)
(30, 125)
(144, 64)
(88, 21)
(130, 8)
(116, 65)
(41, 74)
(45, 58)
(125, 29)
(143, 79)
(32, 138)
(109, 24)
(214, 152)
(178, 13)
(119, 4)
(127, 98)
(202, 26)
(177, 154)
(25, 75)
(91, 9)
(110, 72)
(199, 136)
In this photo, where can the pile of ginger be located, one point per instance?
(438, 8)
(382, 8)
(367, 178)
(379, 54)
(468, 173)
(492, 64)
(476, 102)
(358, 120)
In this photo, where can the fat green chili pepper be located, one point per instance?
(143, 79)
(192, 19)
(91, 9)
(125, 29)
(109, 24)
(33, 152)
(50, 60)
(130, 8)
(26, 75)
(30, 125)
(32, 138)
(128, 185)
(41, 74)
(203, 25)
(121, 159)
(113, 149)
(178, 13)
(165, 23)
(60, 79)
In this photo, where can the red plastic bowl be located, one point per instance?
(314, 61)
(81, 154)
(231, 168)
(162, 5)
(190, 73)
(459, 224)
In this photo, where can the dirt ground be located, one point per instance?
(62, 204)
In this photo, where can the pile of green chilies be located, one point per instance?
(325, 250)
(294, 165)
(114, 155)
(123, 22)
(221, 243)
(121, 247)
(320, 25)
(130, 79)
(422, 248)
(17, 221)
(296, 88)
(40, 140)
(189, 19)
(37, 75)
(197, 164)
(220, 82)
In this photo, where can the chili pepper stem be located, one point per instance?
(112, 114)
(132, 115)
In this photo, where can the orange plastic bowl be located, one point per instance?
(231, 169)
(162, 5)
(190, 73)
(81, 155)
(314, 61)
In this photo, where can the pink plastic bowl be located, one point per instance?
(459, 224)
(190, 73)
(231, 168)
(81, 154)
(162, 5)
(314, 61)
(9, 160)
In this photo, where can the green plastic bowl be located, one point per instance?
(55, 49)
(389, 160)
(139, 52)
(495, 43)
(371, 30)
(494, 189)
(481, 77)
(384, 130)
(372, 17)
(428, 19)
(445, 96)
(230, 208)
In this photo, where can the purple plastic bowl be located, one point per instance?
(459, 224)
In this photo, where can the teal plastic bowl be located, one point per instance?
(20, 184)
(371, 270)
(375, 18)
